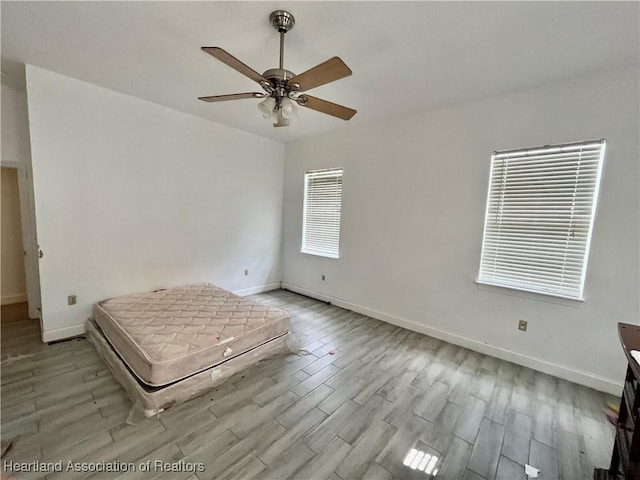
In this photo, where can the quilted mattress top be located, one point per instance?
(169, 334)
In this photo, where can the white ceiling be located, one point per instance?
(405, 56)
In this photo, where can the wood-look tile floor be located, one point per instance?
(354, 407)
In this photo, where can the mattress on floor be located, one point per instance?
(168, 335)
(153, 400)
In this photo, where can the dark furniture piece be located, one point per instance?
(625, 460)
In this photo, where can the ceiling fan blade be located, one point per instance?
(234, 63)
(232, 96)
(323, 106)
(329, 71)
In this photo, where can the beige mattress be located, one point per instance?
(168, 335)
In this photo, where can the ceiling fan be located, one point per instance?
(282, 88)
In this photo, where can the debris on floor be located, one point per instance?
(612, 418)
(9, 359)
(5, 445)
(612, 414)
(531, 472)
(332, 352)
(614, 408)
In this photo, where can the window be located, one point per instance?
(539, 218)
(322, 203)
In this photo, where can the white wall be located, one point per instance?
(12, 281)
(132, 196)
(15, 130)
(414, 196)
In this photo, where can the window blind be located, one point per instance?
(322, 205)
(539, 218)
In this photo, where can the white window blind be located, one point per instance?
(539, 218)
(322, 204)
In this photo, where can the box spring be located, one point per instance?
(154, 400)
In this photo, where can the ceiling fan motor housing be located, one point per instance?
(278, 75)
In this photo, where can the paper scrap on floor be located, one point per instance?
(636, 355)
(5, 445)
(531, 472)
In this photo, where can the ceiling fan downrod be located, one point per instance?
(282, 21)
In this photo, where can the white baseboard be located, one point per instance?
(16, 298)
(259, 289)
(62, 333)
(577, 376)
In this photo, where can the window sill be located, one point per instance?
(529, 294)
(320, 254)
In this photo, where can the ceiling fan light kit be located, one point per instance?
(282, 88)
(266, 107)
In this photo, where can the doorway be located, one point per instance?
(13, 282)
(18, 296)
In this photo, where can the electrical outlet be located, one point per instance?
(323, 278)
(246, 272)
(522, 325)
(71, 300)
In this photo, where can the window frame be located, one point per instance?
(531, 286)
(306, 246)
